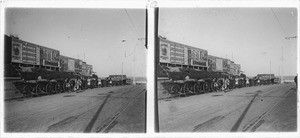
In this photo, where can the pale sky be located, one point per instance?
(251, 36)
(97, 33)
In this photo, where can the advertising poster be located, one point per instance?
(29, 53)
(177, 54)
(49, 57)
(199, 57)
(203, 55)
(196, 54)
(164, 56)
(16, 55)
(78, 65)
(211, 64)
(38, 55)
(225, 64)
(63, 63)
(237, 69)
(71, 64)
(219, 64)
(186, 56)
(55, 55)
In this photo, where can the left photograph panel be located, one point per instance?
(75, 70)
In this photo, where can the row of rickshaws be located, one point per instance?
(186, 87)
(38, 82)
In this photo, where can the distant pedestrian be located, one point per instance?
(236, 82)
(247, 82)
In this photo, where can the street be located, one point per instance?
(269, 108)
(104, 110)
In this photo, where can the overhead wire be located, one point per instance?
(133, 25)
(278, 21)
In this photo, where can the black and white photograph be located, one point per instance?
(75, 70)
(149, 68)
(227, 69)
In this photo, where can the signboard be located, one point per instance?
(177, 54)
(199, 57)
(38, 55)
(219, 64)
(50, 63)
(83, 72)
(89, 69)
(211, 63)
(16, 52)
(186, 56)
(63, 63)
(29, 54)
(71, 64)
(198, 63)
(226, 64)
(203, 55)
(237, 69)
(49, 57)
(164, 54)
(78, 64)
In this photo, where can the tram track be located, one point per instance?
(62, 113)
(241, 110)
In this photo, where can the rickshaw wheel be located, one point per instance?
(175, 89)
(39, 89)
(197, 88)
(64, 87)
(186, 89)
(212, 87)
(49, 89)
(57, 88)
(26, 90)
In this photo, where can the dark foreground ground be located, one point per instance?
(271, 108)
(109, 109)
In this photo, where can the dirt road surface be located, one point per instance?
(108, 109)
(271, 108)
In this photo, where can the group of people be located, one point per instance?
(231, 82)
(82, 83)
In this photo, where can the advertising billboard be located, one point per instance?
(164, 54)
(237, 69)
(16, 52)
(71, 64)
(211, 63)
(177, 54)
(78, 65)
(49, 57)
(24, 52)
(186, 56)
(198, 57)
(63, 63)
(219, 64)
(29, 53)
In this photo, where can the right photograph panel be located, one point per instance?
(227, 69)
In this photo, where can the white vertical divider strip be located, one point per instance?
(150, 73)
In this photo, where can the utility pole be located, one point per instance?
(123, 41)
(270, 70)
(134, 66)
